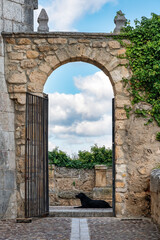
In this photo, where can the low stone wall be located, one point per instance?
(155, 195)
(65, 183)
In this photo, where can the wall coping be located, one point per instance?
(155, 181)
(59, 34)
(100, 167)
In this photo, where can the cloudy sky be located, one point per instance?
(80, 95)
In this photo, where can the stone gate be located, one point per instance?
(27, 60)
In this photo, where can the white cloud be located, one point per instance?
(86, 115)
(63, 13)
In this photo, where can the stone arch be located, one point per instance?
(85, 60)
(31, 57)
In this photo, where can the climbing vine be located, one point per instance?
(143, 54)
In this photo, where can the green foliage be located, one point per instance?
(85, 159)
(127, 109)
(158, 136)
(144, 60)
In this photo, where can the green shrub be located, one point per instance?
(85, 159)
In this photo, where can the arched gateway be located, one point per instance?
(26, 61)
(31, 57)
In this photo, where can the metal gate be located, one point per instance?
(36, 157)
(113, 157)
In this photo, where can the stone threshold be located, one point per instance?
(57, 211)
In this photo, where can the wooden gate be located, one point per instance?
(36, 157)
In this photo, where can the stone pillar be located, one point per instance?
(100, 176)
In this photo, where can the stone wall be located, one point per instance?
(30, 58)
(15, 15)
(65, 183)
(155, 195)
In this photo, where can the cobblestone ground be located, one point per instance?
(41, 229)
(116, 229)
(99, 229)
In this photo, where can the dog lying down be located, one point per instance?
(89, 203)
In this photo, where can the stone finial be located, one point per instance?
(120, 21)
(43, 21)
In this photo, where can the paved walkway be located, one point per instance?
(80, 229)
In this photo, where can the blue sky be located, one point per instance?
(78, 126)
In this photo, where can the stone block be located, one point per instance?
(46, 68)
(38, 77)
(8, 26)
(12, 11)
(1, 65)
(3, 86)
(17, 27)
(1, 45)
(27, 16)
(57, 40)
(100, 176)
(119, 73)
(9, 180)
(7, 121)
(120, 114)
(52, 60)
(32, 54)
(18, 78)
(28, 63)
(114, 44)
(16, 56)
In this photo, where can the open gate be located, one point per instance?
(113, 157)
(36, 157)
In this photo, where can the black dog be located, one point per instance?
(89, 203)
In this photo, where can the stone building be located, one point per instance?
(15, 16)
(27, 58)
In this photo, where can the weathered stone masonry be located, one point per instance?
(15, 15)
(31, 58)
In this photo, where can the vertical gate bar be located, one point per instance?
(26, 162)
(39, 161)
(31, 164)
(38, 190)
(113, 156)
(34, 155)
(43, 109)
(36, 163)
(47, 183)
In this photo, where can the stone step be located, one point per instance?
(56, 211)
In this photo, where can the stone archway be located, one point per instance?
(31, 58)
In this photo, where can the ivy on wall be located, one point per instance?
(143, 54)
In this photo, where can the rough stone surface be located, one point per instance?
(137, 151)
(43, 21)
(65, 183)
(13, 18)
(99, 228)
